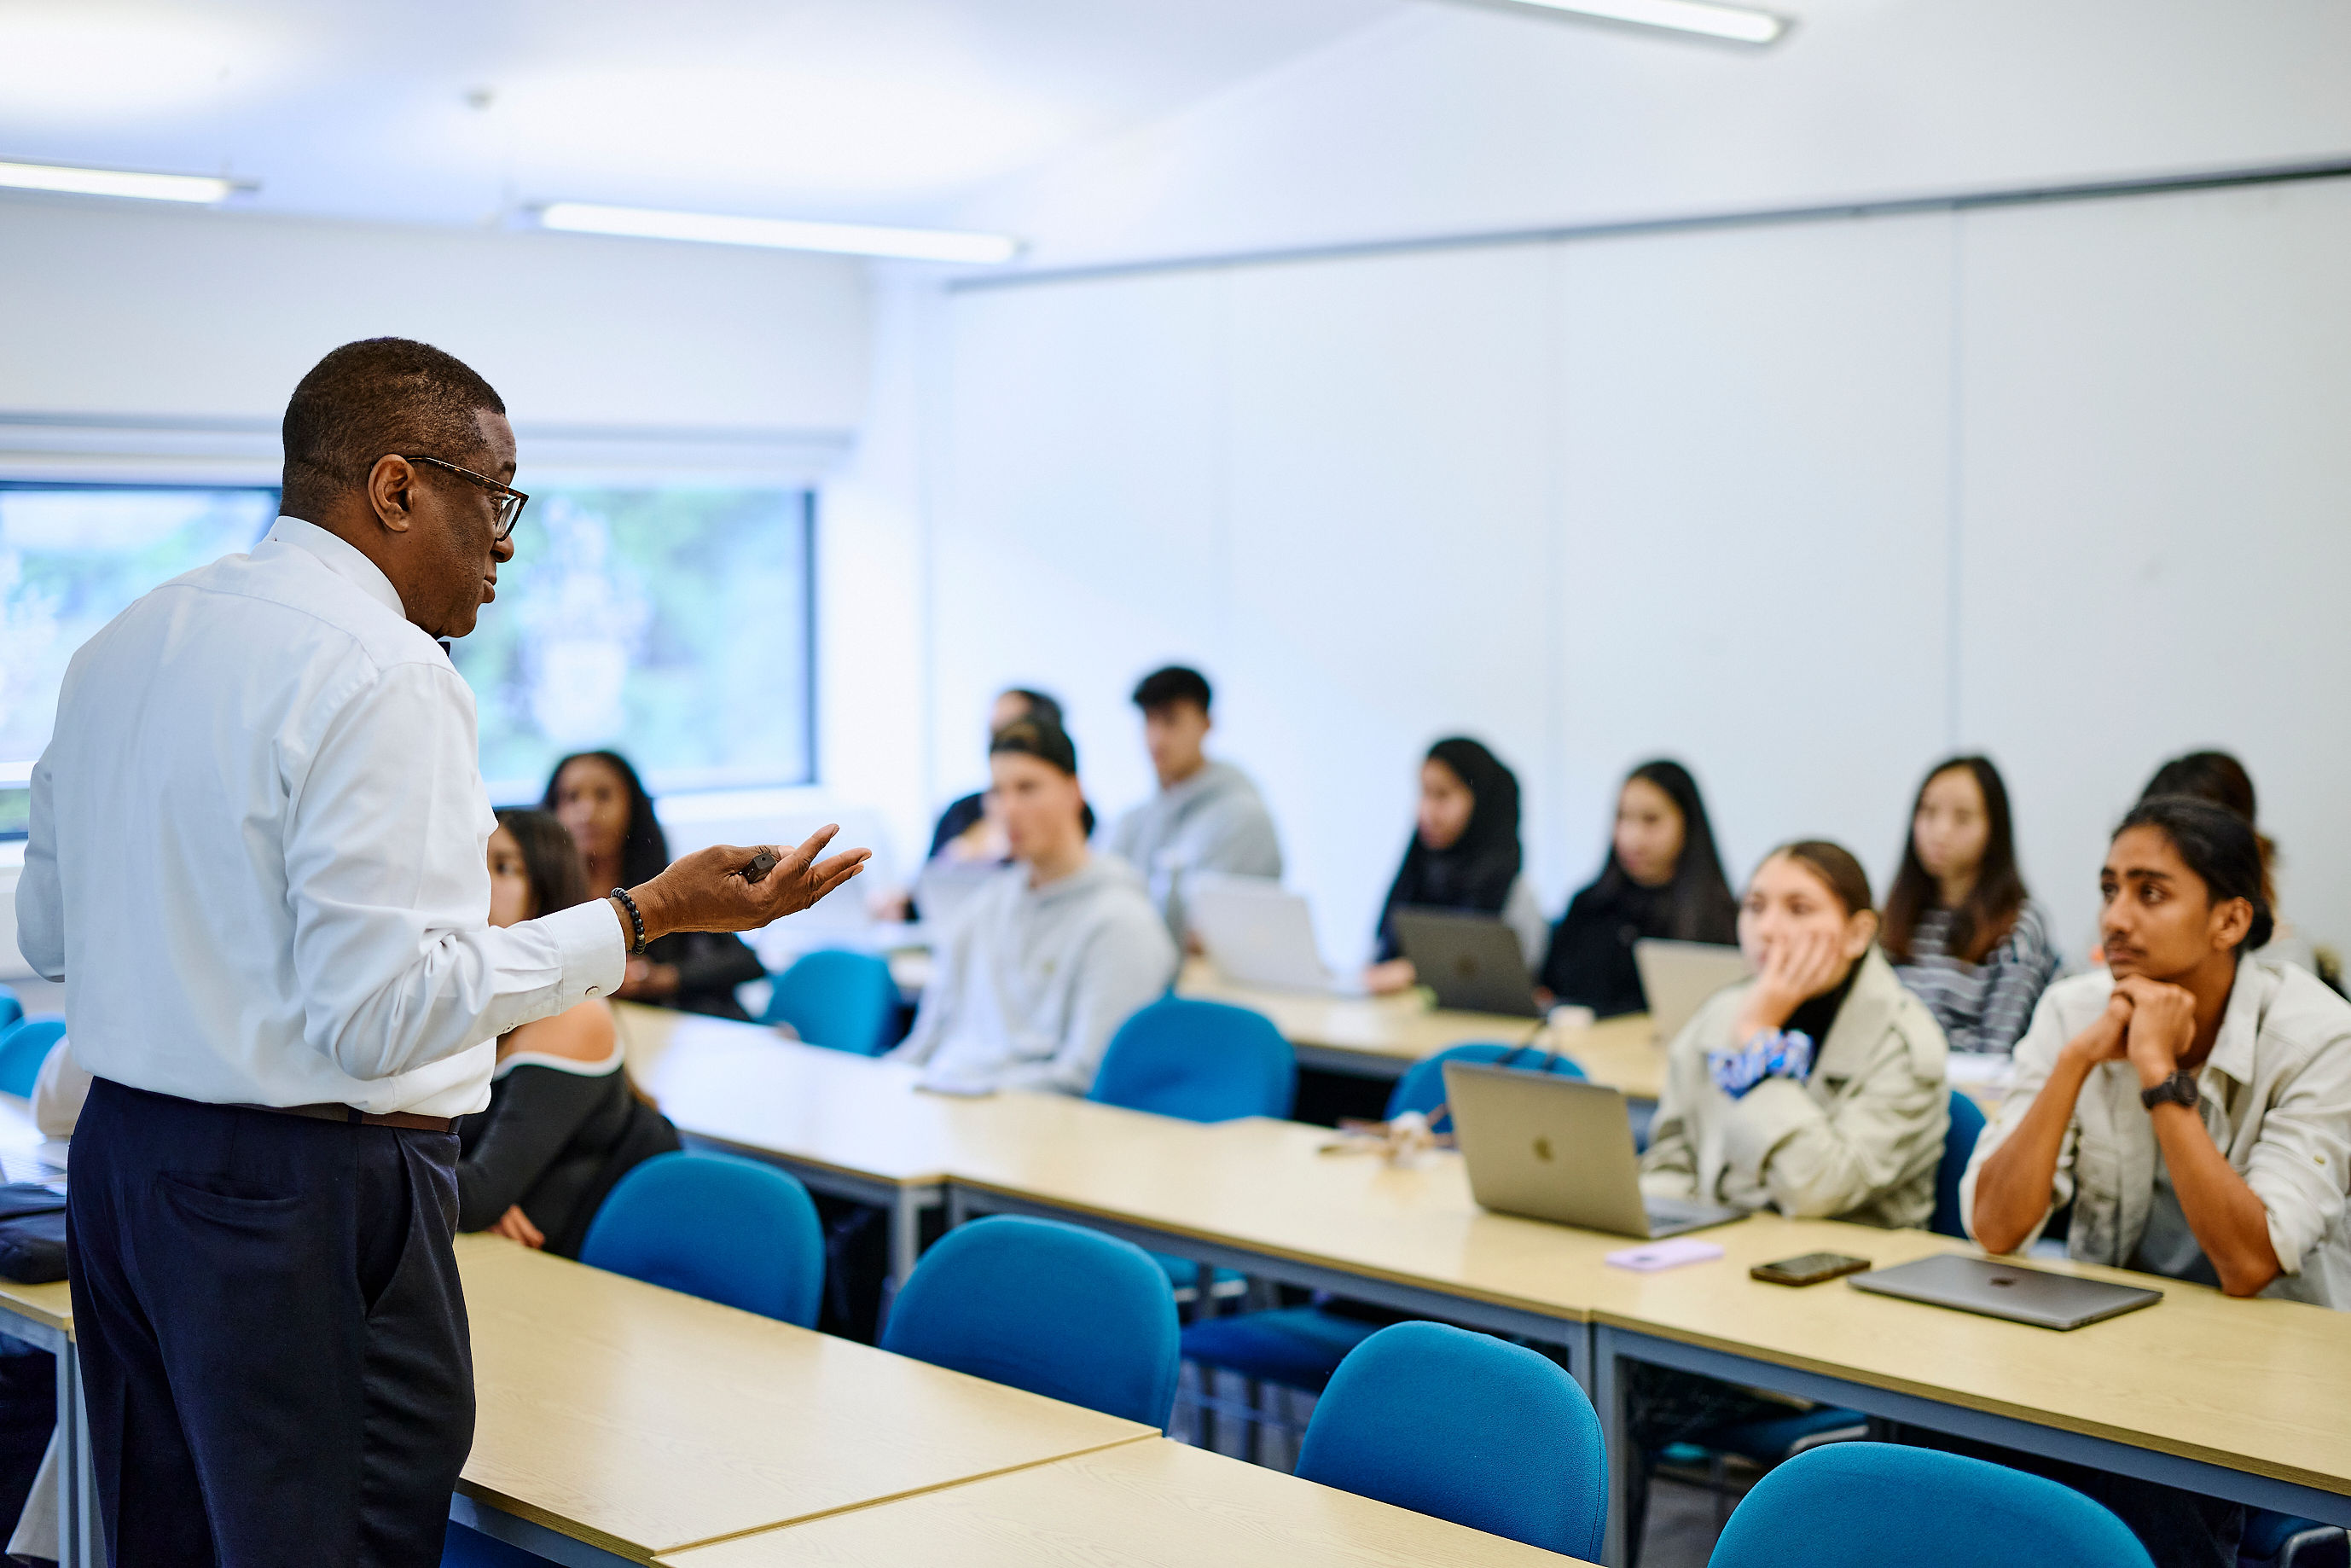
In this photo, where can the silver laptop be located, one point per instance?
(1998, 1289)
(946, 887)
(1473, 962)
(1559, 1149)
(1256, 934)
(1677, 977)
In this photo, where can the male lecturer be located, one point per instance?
(256, 860)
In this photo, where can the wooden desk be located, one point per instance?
(1141, 1505)
(2240, 1399)
(847, 1125)
(640, 1421)
(1379, 1037)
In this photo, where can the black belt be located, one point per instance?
(356, 1117)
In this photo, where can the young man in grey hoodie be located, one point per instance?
(1208, 816)
(1035, 974)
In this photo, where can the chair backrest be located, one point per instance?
(1467, 1427)
(1860, 1505)
(1959, 1146)
(1205, 1061)
(1422, 1087)
(11, 1009)
(23, 1045)
(845, 1001)
(714, 1226)
(1055, 1308)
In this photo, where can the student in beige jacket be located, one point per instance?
(1817, 1088)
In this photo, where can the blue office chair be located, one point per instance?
(466, 1547)
(1055, 1308)
(845, 1001)
(1862, 1505)
(23, 1045)
(1204, 1062)
(1958, 1148)
(11, 1009)
(1467, 1427)
(726, 1229)
(1422, 1088)
(2280, 1541)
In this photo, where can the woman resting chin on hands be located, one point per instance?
(1817, 1088)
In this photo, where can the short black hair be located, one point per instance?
(370, 399)
(1176, 683)
(1048, 743)
(1043, 706)
(2218, 846)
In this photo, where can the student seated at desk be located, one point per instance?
(1662, 880)
(964, 832)
(2217, 776)
(564, 1121)
(2192, 1101)
(598, 798)
(1464, 855)
(1817, 1087)
(1036, 973)
(1961, 930)
(1207, 816)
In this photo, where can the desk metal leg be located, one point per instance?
(1607, 1389)
(71, 1447)
(906, 1206)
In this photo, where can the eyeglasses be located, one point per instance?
(509, 499)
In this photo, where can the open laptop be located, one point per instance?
(1473, 962)
(1558, 1148)
(2002, 1289)
(946, 887)
(1256, 934)
(1679, 977)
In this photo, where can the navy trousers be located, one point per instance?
(272, 1335)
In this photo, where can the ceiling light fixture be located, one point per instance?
(198, 188)
(1739, 24)
(780, 233)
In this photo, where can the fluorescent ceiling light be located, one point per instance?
(780, 233)
(1741, 23)
(115, 183)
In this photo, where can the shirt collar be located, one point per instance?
(340, 556)
(2240, 1023)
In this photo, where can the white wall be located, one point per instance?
(114, 309)
(1808, 504)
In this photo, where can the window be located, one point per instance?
(674, 624)
(71, 557)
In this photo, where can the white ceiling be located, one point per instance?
(459, 110)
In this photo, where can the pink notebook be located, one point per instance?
(1670, 1253)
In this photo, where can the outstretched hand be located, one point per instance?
(709, 890)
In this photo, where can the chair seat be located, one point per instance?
(1769, 1441)
(1298, 1348)
(2280, 1541)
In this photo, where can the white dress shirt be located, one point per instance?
(256, 857)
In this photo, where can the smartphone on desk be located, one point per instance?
(1809, 1270)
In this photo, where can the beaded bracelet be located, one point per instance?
(635, 919)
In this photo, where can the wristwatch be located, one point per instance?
(2179, 1089)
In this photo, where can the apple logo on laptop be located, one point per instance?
(1543, 1148)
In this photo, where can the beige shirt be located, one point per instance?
(1859, 1139)
(2275, 1096)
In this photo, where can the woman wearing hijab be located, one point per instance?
(1662, 880)
(1464, 855)
(598, 798)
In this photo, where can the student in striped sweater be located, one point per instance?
(1961, 930)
